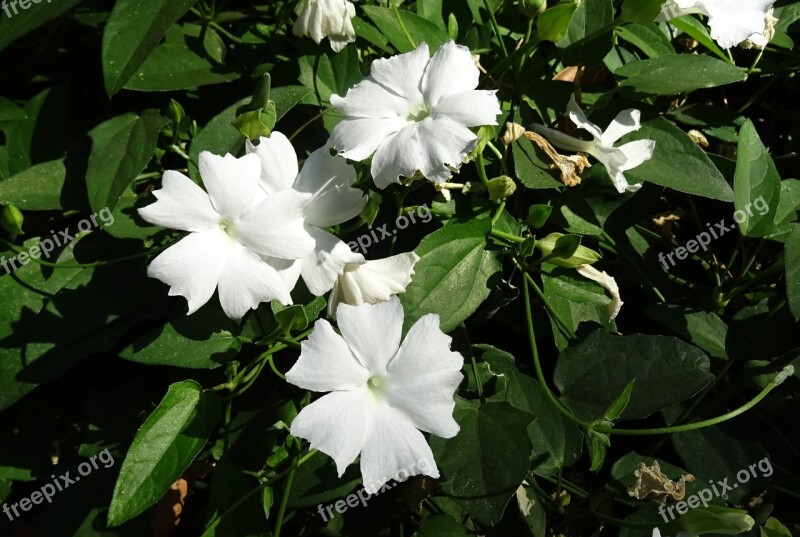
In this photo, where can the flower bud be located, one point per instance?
(501, 188)
(581, 255)
(532, 8)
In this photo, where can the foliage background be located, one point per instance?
(99, 98)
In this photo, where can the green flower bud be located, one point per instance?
(11, 220)
(716, 519)
(565, 252)
(532, 8)
(501, 188)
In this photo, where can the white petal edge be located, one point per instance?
(231, 182)
(321, 268)
(275, 227)
(610, 285)
(326, 363)
(451, 70)
(372, 331)
(278, 162)
(181, 204)
(246, 281)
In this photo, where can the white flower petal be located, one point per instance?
(231, 182)
(431, 146)
(246, 281)
(626, 122)
(423, 377)
(327, 18)
(336, 424)
(609, 283)
(373, 281)
(329, 180)
(192, 267)
(403, 73)
(326, 363)
(181, 204)
(325, 264)
(636, 153)
(577, 116)
(394, 449)
(470, 108)
(372, 332)
(368, 99)
(288, 269)
(358, 138)
(278, 162)
(451, 70)
(275, 227)
(733, 21)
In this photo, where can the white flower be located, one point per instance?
(412, 112)
(383, 393)
(372, 282)
(731, 21)
(328, 182)
(616, 159)
(230, 228)
(327, 18)
(609, 283)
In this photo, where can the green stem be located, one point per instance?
(287, 488)
(506, 236)
(499, 212)
(402, 27)
(568, 332)
(482, 170)
(495, 27)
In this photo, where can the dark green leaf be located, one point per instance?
(164, 446)
(17, 22)
(452, 276)
(121, 148)
(757, 185)
(593, 373)
(132, 32)
(792, 268)
(677, 73)
(421, 30)
(678, 163)
(487, 461)
(704, 329)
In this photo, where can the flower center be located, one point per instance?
(418, 113)
(227, 227)
(376, 386)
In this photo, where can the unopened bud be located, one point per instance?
(580, 256)
(501, 188)
(532, 8)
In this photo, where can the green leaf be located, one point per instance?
(792, 268)
(553, 23)
(756, 186)
(121, 149)
(677, 73)
(678, 163)
(619, 405)
(717, 520)
(538, 215)
(164, 446)
(531, 507)
(421, 30)
(214, 45)
(641, 11)
(133, 30)
(175, 66)
(555, 440)
(452, 276)
(591, 374)
(228, 485)
(590, 17)
(701, 328)
(441, 526)
(203, 341)
(487, 461)
(695, 29)
(649, 39)
(331, 75)
(26, 20)
(530, 165)
(10, 111)
(36, 189)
